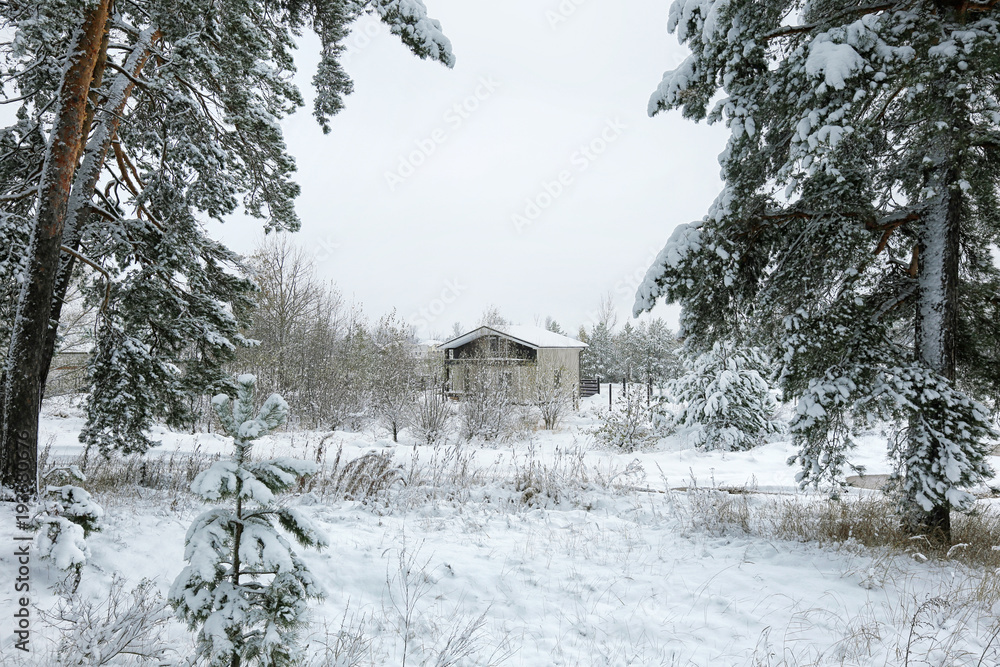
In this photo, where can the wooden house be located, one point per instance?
(517, 353)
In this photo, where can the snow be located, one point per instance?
(684, 241)
(834, 62)
(595, 577)
(535, 337)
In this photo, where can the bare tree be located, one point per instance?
(489, 402)
(553, 393)
(491, 317)
(607, 314)
(394, 374)
(304, 334)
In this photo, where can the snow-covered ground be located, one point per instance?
(551, 551)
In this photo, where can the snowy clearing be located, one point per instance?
(549, 551)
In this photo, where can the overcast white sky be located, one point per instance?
(409, 202)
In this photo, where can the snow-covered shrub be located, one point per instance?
(552, 393)
(430, 417)
(724, 395)
(244, 588)
(65, 517)
(629, 424)
(368, 476)
(488, 409)
(122, 626)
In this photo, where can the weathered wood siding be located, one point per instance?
(554, 358)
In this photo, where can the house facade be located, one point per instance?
(514, 355)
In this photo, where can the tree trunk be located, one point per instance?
(19, 450)
(87, 176)
(937, 303)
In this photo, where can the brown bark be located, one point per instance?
(88, 175)
(19, 450)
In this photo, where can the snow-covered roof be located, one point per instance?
(534, 337)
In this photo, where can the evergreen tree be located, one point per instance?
(658, 348)
(65, 517)
(185, 99)
(853, 233)
(628, 353)
(244, 588)
(724, 395)
(553, 326)
(598, 360)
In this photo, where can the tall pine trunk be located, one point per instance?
(19, 436)
(937, 299)
(104, 130)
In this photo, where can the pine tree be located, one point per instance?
(628, 353)
(65, 518)
(658, 348)
(853, 233)
(244, 588)
(725, 396)
(135, 120)
(598, 360)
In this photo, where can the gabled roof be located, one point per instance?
(533, 337)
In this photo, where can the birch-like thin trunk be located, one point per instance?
(19, 436)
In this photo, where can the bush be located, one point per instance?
(430, 417)
(125, 628)
(629, 424)
(553, 394)
(488, 409)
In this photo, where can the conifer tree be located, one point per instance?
(725, 396)
(853, 233)
(598, 360)
(135, 121)
(244, 588)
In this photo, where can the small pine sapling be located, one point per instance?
(66, 516)
(724, 395)
(244, 587)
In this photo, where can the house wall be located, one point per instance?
(522, 372)
(568, 358)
